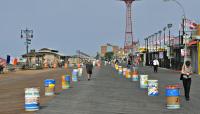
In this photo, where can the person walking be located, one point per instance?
(155, 65)
(89, 67)
(186, 78)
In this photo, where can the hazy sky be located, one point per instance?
(69, 25)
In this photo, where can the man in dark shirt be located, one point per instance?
(89, 68)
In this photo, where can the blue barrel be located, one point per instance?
(49, 87)
(172, 93)
(68, 78)
(32, 99)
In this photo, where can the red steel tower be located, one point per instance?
(130, 44)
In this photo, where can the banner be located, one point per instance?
(198, 49)
(2, 62)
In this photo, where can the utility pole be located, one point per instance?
(28, 35)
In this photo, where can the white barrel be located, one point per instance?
(143, 81)
(80, 72)
(32, 96)
(124, 71)
(120, 72)
(74, 75)
(152, 87)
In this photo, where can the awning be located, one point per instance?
(192, 43)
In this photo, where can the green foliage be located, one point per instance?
(109, 55)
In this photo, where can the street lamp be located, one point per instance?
(159, 32)
(164, 33)
(169, 27)
(183, 25)
(156, 35)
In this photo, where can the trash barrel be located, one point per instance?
(32, 96)
(74, 75)
(65, 81)
(135, 76)
(120, 72)
(143, 81)
(128, 73)
(49, 87)
(153, 88)
(80, 71)
(172, 93)
(124, 71)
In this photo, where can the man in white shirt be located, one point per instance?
(155, 65)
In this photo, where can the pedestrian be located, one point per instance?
(186, 78)
(155, 65)
(1, 69)
(89, 67)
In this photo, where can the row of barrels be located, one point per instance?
(32, 95)
(172, 92)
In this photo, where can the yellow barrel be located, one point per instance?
(128, 75)
(49, 87)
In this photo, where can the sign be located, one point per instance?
(161, 55)
(185, 52)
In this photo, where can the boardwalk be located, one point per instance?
(107, 93)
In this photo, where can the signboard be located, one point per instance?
(185, 52)
(161, 55)
(198, 49)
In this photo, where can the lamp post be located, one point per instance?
(159, 32)
(156, 53)
(164, 29)
(183, 26)
(169, 43)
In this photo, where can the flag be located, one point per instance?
(2, 62)
(191, 24)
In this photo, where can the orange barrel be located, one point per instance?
(80, 71)
(152, 87)
(135, 76)
(172, 93)
(143, 81)
(124, 71)
(49, 87)
(74, 75)
(128, 75)
(66, 65)
(65, 82)
(45, 65)
(32, 96)
(54, 65)
(79, 65)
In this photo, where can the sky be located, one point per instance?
(70, 25)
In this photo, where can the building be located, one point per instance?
(109, 48)
(45, 57)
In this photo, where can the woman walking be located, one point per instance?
(89, 68)
(186, 78)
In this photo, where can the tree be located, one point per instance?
(109, 55)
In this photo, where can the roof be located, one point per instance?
(48, 50)
(33, 54)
